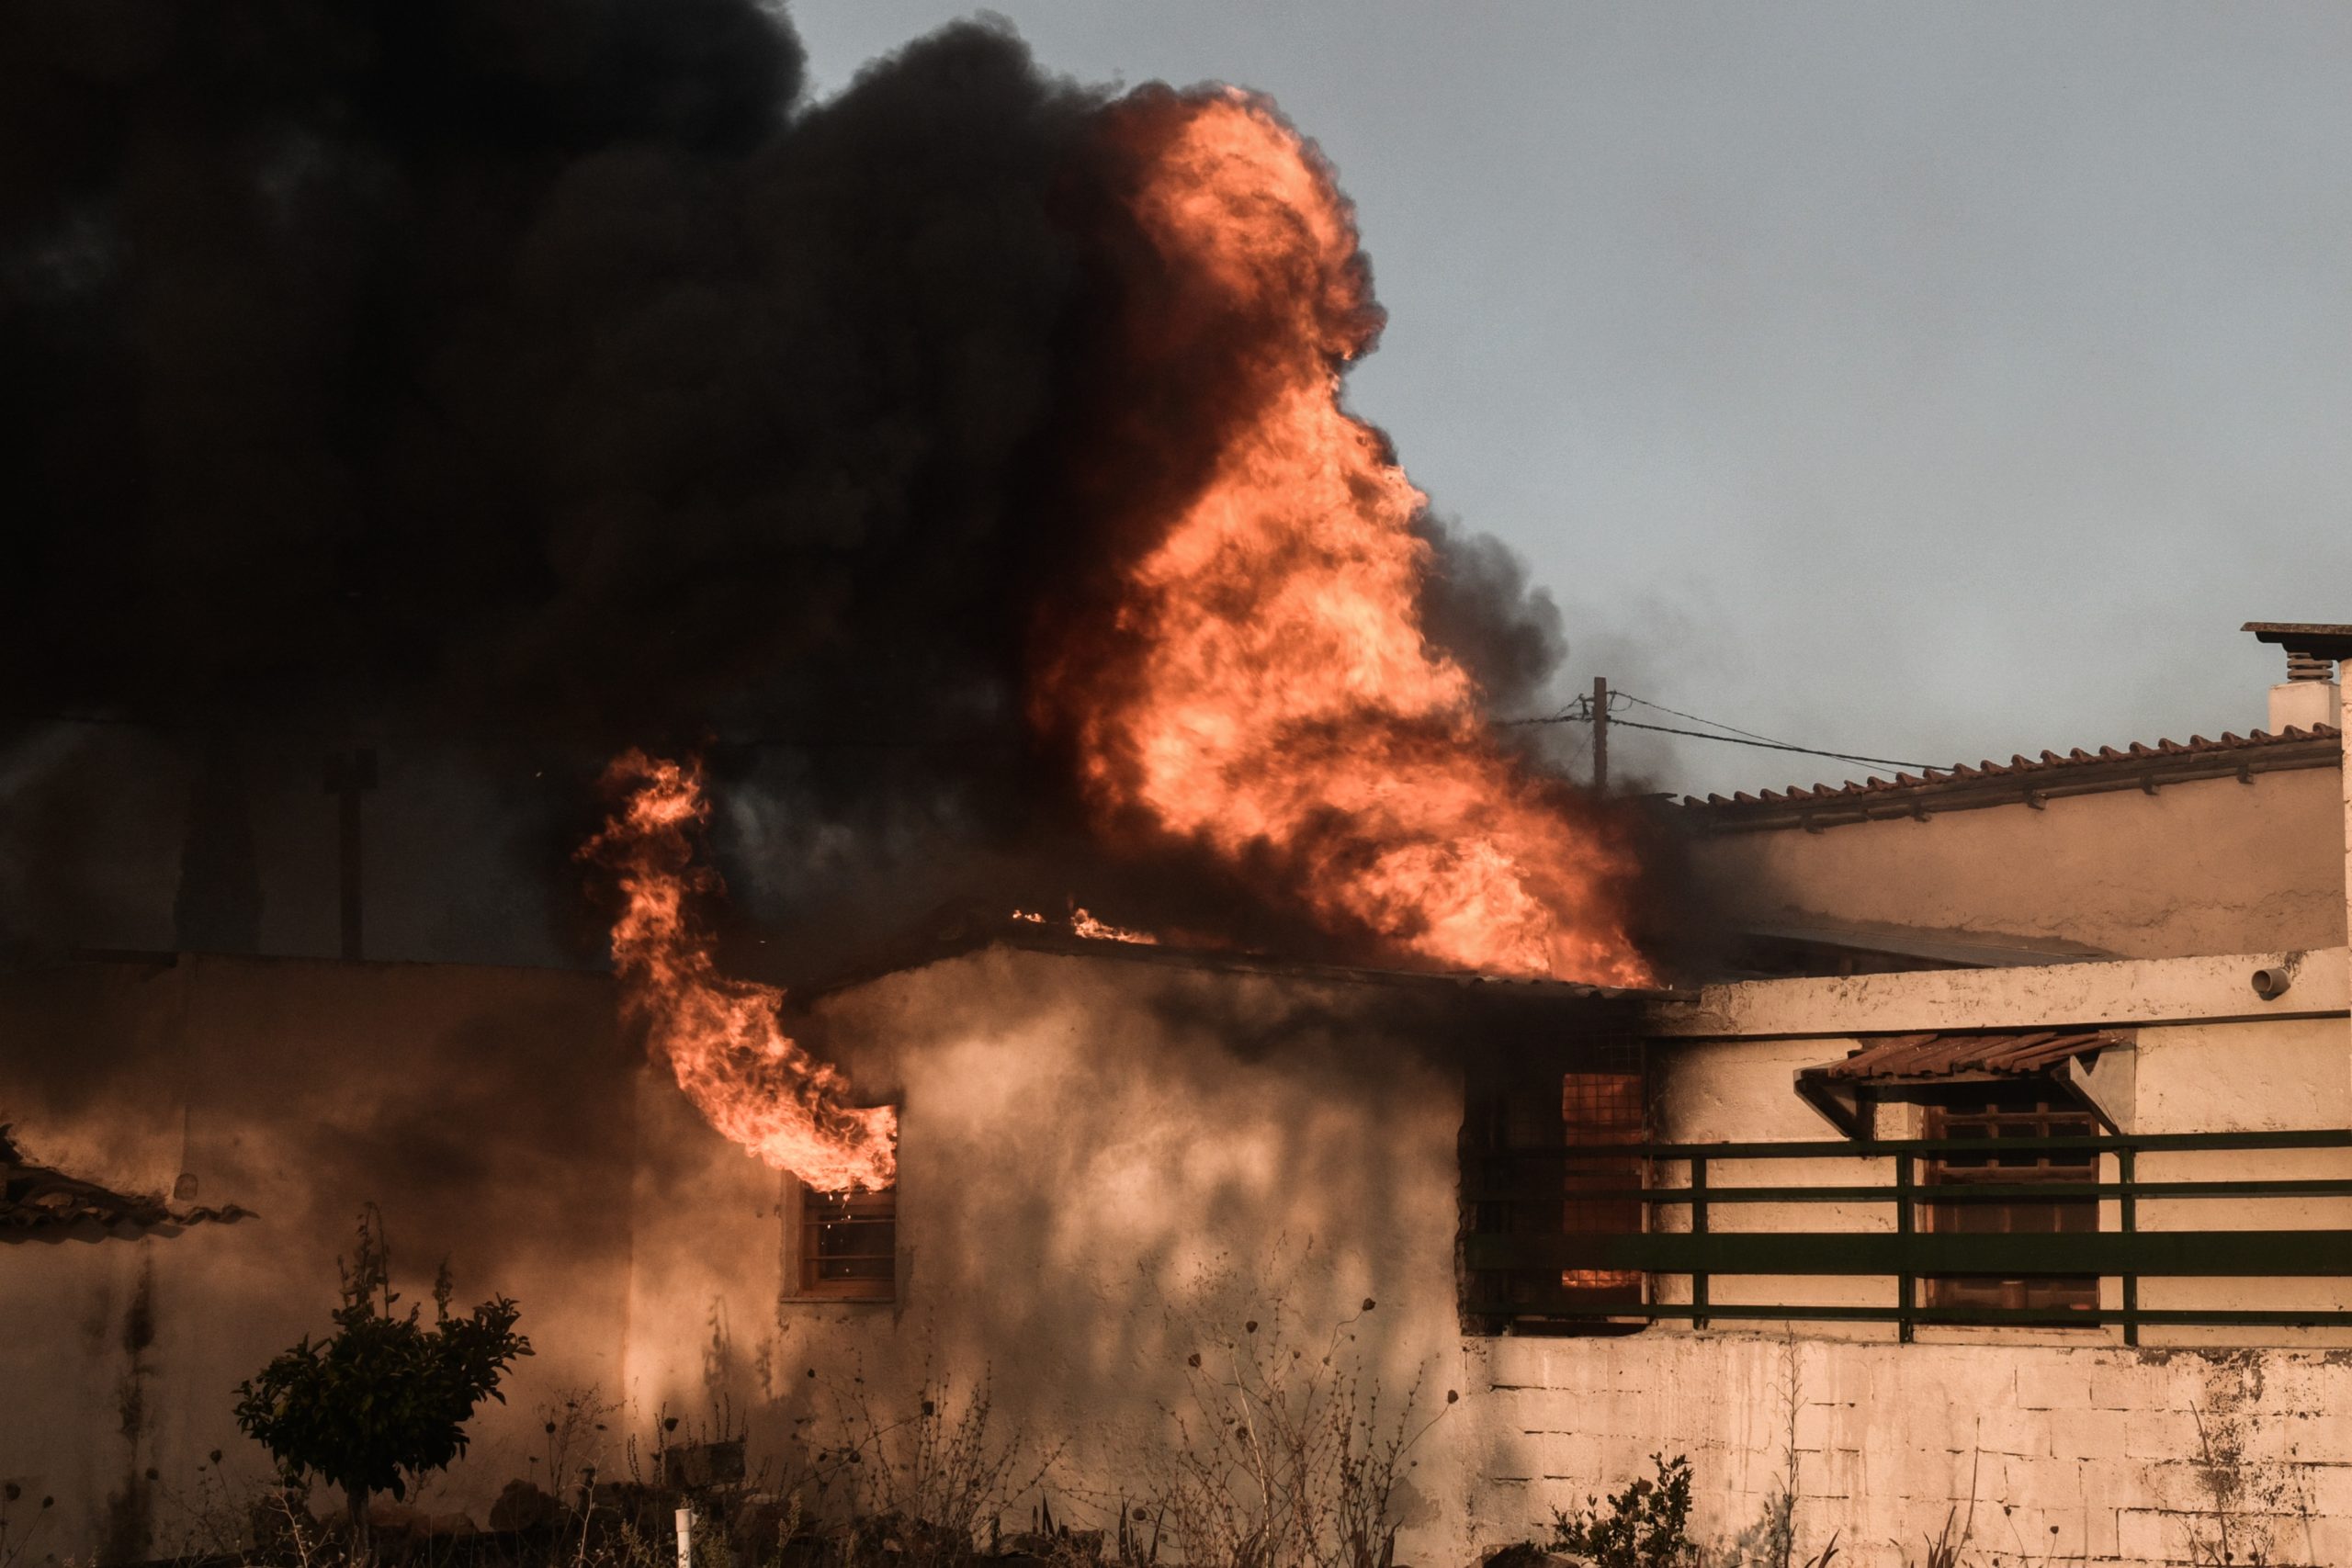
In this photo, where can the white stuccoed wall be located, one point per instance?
(486, 1111)
(2072, 1454)
(2201, 866)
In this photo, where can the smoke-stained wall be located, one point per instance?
(1110, 1162)
(1106, 1166)
(488, 1113)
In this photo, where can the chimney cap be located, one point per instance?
(2314, 648)
(2305, 637)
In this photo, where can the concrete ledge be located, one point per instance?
(2126, 991)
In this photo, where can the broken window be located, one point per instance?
(1531, 1171)
(1995, 1113)
(847, 1245)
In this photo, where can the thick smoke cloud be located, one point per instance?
(545, 376)
(521, 359)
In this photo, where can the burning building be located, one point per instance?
(1106, 1151)
(1751, 1221)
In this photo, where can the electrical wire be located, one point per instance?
(1765, 740)
(1772, 745)
(1712, 723)
(1739, 738)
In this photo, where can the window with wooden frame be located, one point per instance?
(846, 1244)
(1524, 1182)
(1995, 1112)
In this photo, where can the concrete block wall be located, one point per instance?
(2047, 1453)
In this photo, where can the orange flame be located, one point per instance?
(1082, 924)
(1275, 698)
(722, 1037)
(1085, 925)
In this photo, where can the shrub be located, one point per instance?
(1642, 1527)
(1284, 1457)
(383, 1398)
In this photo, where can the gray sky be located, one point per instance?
(1930, 383)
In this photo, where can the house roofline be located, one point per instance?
(2021, 781)
(1056, 940)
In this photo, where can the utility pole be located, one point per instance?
(1600, 735)
(350, 777)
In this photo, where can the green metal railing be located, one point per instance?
(1513, 1268)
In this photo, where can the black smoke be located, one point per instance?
(518, 380)
(531, 358)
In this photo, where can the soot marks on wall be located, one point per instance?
(130, 1508)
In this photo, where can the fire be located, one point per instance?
(722, 1037)
(1272, 696)
(1085, 925)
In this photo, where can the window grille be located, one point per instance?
(848, 1245)
(2012, 1119)
(1538, 1162)
(1603, 1107)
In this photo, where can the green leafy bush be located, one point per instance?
(384, 1398)
(1642, 1527)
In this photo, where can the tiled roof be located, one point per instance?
(1068, 944)
(2027, 780)
(40, 1204)
(1947, 1056)
(958, 929)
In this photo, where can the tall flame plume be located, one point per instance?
(722, 1037)
(1270, 695)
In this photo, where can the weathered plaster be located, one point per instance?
(1107, 1166)
(2209, 865)
(2138, 992)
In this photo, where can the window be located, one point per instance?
(1993, 1112)
(1527, 1179)
(847, 1245)
(1600, 1108)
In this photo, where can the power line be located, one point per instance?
(1714, 723)
(1775, 746)
(1763, 740)
(1586, 717)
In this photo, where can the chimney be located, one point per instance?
(2312, 694)
(2309, 697)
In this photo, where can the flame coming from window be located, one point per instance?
(723, 1038)
(1269, 694)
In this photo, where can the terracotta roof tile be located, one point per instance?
(37, 1203)
(2013, 1054)
(2049, 767)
